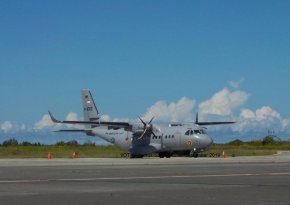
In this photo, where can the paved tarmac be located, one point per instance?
(239, 180)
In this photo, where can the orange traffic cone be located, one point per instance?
(49, 156)
(74, 155)
(223, 155)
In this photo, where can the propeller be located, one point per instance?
(148, 128)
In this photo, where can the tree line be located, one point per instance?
(14, 142)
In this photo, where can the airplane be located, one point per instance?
(143, 138)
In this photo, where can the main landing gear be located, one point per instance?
(164, 154)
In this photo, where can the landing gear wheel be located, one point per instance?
(161, 154)
(164, 154)
(195, 155)
(167, 155)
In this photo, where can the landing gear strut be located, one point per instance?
(193, 153)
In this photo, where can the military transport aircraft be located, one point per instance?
(141, 138)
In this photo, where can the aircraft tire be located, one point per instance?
(164, 154)
(161, 154)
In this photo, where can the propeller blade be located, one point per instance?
(142, 134)
(148, 128)
(151, 120)
(142, 121)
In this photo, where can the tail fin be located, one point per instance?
(91, 112)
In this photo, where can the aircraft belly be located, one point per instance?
(145, 149)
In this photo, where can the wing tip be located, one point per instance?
(53, 118)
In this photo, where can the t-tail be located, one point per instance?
(91, 112)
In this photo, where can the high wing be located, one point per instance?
(210, 123)
(110, 125)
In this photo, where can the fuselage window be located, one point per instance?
(197, 132)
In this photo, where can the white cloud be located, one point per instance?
(6, 126)
(105, 118)
(44, 123)
(223, 102)
(247, 114)
(11, 127)
(264, 118)
(236, 84)
(72, 116)
(266, 113)
(175, 111)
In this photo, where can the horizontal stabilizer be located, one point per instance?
(112, 125)
(210, 123)
(70, 131)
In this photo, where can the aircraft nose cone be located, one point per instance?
(208, 141)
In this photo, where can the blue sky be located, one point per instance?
(134, 54)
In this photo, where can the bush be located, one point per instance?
(10, 142)
(89, 143)
(73, 143)
(268, 140)
(60, 143)
(236, 142)
(26, 143)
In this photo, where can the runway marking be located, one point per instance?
(141, 177)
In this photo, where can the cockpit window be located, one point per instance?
(189, 132)
(199, 131)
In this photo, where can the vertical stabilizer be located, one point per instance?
(91, 112)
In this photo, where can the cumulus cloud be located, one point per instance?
(223, 102)
(6, 126)
(262, 119)
(44, 123)
(11, 127)
(72, 116)
(175, 111)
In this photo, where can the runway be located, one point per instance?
(240, 180)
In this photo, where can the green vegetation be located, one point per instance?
(267, 146)
(13, 149)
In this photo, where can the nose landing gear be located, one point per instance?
(193, 153)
